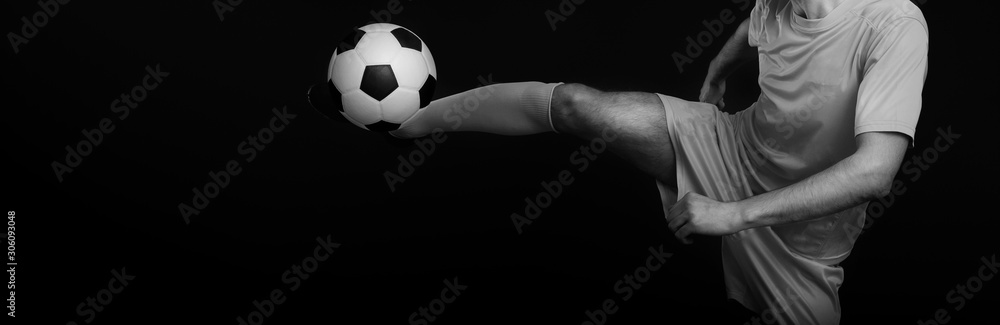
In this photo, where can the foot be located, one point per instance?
(320, 98)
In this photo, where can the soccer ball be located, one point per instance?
(380, 76)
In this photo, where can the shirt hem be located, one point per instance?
(741, 298)
(887, 126)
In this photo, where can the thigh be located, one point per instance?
(637, 121)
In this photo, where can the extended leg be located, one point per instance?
(638, 119)
(518, 108)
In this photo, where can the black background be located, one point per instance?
(452, 217)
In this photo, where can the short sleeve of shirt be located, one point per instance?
(757, 17)
(894, 72)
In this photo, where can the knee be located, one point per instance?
(569, 107)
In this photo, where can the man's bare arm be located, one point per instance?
(736, 52)
(863, 176)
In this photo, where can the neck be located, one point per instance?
(814, 9)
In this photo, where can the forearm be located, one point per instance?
(734, 54)
(830, 191)
(864, 176)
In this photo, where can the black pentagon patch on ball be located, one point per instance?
(427, 91)
(407, 39)
(350, 41)
(382, 126)
(379, 81)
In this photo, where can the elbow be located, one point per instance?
(878, 184)
(877, 161)
(881, 190)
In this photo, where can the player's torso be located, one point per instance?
(804, 120)
(810, 73)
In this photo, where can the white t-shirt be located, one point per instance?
(861, 68)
